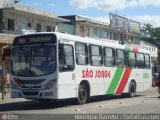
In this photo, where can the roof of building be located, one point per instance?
(34, 10)
(87, 19)
(28, 9)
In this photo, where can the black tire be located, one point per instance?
(83, 94)
(132, 89)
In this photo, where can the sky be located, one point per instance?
(143, 11)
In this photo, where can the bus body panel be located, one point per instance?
(66, 85)
(102, 80)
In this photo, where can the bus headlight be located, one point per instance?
(13, 85)
(49, 84)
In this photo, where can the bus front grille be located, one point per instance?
(30, 83)
(30, 93)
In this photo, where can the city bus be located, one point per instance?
(57, 66)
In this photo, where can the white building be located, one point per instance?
(17, 18)
(152, 48)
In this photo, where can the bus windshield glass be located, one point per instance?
(31, 61)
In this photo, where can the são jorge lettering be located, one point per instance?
(96, 73)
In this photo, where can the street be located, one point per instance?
(144, 103)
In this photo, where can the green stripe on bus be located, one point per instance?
(127, 47)
(115, 80)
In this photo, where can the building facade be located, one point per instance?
(18, 18)
(152, 48)
(86, 27)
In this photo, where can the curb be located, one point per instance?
(7, 98)
(12, 100)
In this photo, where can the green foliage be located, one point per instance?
(152, 35)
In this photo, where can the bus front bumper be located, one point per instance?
(34, 94)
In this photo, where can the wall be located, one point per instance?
(23, 18)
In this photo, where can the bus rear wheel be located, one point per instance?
(132, 89)
(82, 94)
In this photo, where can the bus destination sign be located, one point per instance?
(35, 39)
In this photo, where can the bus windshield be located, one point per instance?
(30, 61)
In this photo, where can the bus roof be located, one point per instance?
(100, 42)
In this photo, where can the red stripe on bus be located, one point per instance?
(124, 80)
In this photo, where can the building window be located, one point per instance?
(110, 35)
(11, 24)
(106, 34)
(38, 27)
(48, 28)
(81, 29)
(95, 31)
(29, 24)
(132, 40)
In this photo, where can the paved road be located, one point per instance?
(144, 103)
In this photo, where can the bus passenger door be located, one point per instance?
(66, 81)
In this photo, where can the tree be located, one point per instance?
(152, 35)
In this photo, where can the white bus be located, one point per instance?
(61, 66)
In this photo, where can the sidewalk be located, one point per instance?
(8, 99)
(7, 96)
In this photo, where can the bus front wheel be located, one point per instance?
(82, 94)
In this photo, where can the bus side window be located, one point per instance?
(121, 58)
(147, 61)
(109, 57)
(140, 60)
(95, 55)
(66, 57)
(81, 53)
(131, 59)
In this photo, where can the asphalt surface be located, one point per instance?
(144, 103)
